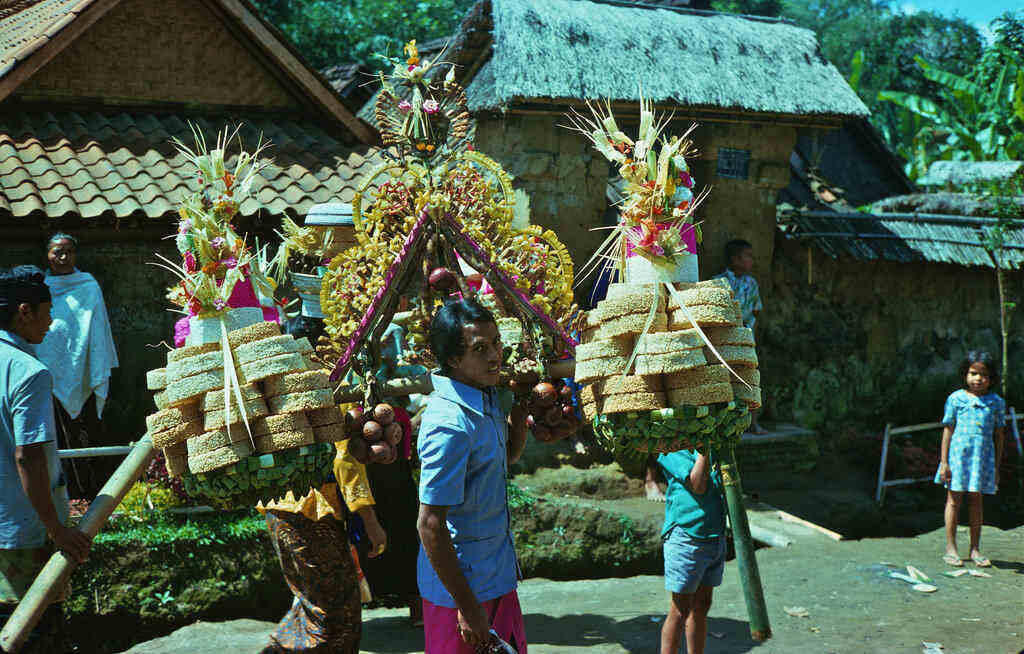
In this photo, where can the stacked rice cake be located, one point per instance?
(671, 351)
(286, 403)
(709, 305)
(622, 394)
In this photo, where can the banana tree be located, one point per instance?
(971, 121)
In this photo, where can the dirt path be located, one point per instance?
(853, 607)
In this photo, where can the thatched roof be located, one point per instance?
(964, 173)
(580, 49)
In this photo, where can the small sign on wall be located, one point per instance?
(733, 163)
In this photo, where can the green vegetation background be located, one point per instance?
(935, 87)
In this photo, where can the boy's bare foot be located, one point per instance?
(980, 560)
(953, 559)
(653, 491)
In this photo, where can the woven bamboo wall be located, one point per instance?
(147, 51)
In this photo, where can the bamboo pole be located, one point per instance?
(421, 384)
(58, 569)
(750, 578)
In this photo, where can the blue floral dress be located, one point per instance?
(972, 451)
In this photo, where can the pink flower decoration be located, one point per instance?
(685, 179)
(405, 106)
(230, 262)
(219, 304)
(431, 106)
(217, 242)
(190, 262)
(412, 67)
(184, 226)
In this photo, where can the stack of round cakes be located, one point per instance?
(287, 402)
(673, 367)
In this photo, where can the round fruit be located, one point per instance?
(544, 394)
(354, 418)
(372, 431)
(441, 279)
(380, 452)
(384, 414)
(393, 433)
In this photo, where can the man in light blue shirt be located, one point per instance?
(33, 495)
(467, 570)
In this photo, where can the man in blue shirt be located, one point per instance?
(467, 569)
(33, 495)
(694, 546)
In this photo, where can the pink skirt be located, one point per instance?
(441, 625)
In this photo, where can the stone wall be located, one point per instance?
(563, 175)
(566, 180)
(741, 208)
(871, 342)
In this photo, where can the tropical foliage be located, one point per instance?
(978, 116)
(328, 32)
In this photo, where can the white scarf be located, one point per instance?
(79, 347)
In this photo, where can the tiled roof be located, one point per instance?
(90, 163)
(26, 25)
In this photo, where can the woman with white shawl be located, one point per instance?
(79, 348)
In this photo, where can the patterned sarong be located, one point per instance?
(326, 615)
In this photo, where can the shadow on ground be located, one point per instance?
(635, 635)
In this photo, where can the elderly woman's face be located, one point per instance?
(61, 257)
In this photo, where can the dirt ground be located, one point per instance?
(853, 606)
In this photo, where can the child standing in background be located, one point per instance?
(739, 255)
(972, 447)
(694, 546)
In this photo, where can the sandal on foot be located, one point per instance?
(981, 562)
(953, 560)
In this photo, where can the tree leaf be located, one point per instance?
(947, 79)
(856, 68)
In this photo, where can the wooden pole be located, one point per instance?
(58, 569)
(880, 489)
(750, 578)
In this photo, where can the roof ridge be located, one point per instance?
(690, 11)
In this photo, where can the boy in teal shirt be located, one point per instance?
(694, 546)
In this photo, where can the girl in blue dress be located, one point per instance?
(972, 447)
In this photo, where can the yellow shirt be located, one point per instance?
(320, 503)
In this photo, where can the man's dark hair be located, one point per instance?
(984, 358)
(735, 247)
(21, 284)
(446, 339)
(61, 236)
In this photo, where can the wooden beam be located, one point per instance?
(53, 45)
(321, 94)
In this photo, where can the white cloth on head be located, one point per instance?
(79, 348)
